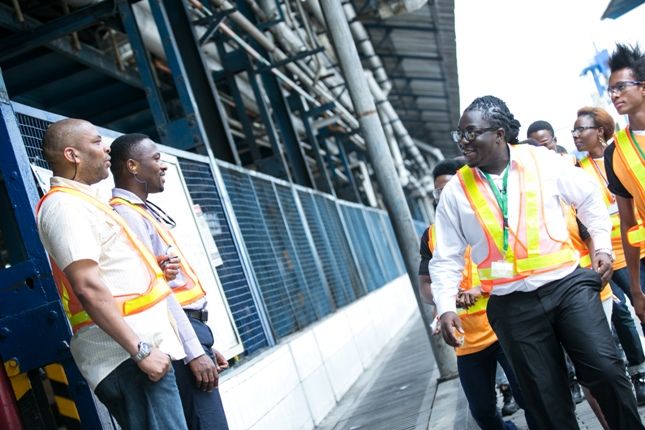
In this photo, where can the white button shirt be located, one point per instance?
(457, 224)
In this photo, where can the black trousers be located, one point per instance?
(531, 326)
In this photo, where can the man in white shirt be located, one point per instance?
(506, 205)
(124, 337)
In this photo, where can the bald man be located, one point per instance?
(112, 288)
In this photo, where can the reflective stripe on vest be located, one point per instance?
(192, 289)
(631, 172)
(128, 304)
(528, 256)
(607, 196)
(470, 277)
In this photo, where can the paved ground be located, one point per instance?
(399, 392)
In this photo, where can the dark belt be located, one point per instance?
(198, 315)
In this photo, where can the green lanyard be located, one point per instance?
(502, 200)
(636, 143)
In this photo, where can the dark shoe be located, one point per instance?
(510, 406)
(639, 386)
(576, 392)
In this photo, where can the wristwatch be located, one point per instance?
(609, 252)
(144, 351)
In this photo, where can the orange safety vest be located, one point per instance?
(192, 289)
(629, 167)
(531, 249)
(574, 234)
(470, 279)
(128, 304)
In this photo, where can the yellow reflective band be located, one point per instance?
(530, 184)
(478, 307)
(626, 150)
(545, 261)
(587, 165)
(636, 235)
(585, 261)
(492, 223)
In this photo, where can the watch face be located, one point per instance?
(145, 349)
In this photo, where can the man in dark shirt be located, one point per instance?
(627, 91)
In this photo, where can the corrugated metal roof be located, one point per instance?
(616, 8)
(418, 51)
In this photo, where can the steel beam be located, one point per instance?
(34, 37)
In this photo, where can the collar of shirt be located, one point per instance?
(90, 190)
(127, 195)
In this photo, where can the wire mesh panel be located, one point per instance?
(381, 244)
(203, 191)
(260, 250)
(363, 244)
(420, 227)
(333, 227)
(338, 279)
(315, 282)
(33, 130)
(285, 254)
(393, 244)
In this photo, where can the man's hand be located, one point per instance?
(467, 298)
(156, 365)
(450, 323)
(221, 361)
(170, 267)
(602, 265)
(638, 301)
(205, 372)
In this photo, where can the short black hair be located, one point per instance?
(561, 150)
(630, 57)
(540, 125)
(448, 167)
(495, 111)
(123, 148)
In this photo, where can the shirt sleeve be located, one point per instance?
(447, 261)
(614, 184)
(190, 342)
(425, 253)
(580, 189)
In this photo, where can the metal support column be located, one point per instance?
(204, 122)
(381, 159)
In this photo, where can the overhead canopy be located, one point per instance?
(616, 8)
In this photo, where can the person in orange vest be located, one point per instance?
(542, 132)
(479, 354)
(112, 289)
(625, 162)
(506, 205)
(593, 128)
(139, 171)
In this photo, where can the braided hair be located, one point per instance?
(630, 57)
(496, 112)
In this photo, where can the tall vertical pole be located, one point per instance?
(381, 159)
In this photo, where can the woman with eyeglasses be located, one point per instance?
(505, 205)
(591, 133)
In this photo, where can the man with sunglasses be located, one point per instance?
(625, 162)
(139, 171)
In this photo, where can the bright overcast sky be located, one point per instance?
(530, 54)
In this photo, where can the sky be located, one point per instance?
(530, 54)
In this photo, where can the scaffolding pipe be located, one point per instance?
(381, 160)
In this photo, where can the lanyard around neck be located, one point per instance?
(502, 200)
(636, 144)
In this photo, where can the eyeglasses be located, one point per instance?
(621, 86)
(578, 130)
(436, 193)
(470, 134)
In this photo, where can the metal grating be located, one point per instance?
(260, 250)
(203, 191)
(337, 277)
(363, 247)
(391, 240)
(381, 244)
(33, 130)
(316, 284)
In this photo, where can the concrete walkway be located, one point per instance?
(400, 392)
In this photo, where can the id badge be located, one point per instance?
(501, 269)
(613, 209)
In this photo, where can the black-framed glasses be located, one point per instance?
(621, 86)
(469, 134)
(578, 130)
